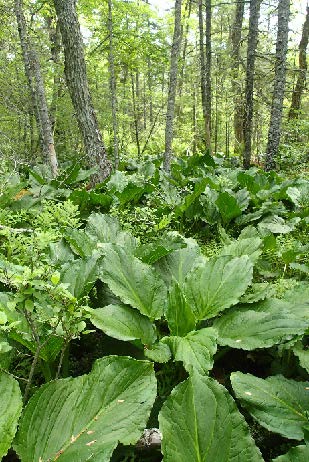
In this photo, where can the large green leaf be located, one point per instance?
(134, 282)
(276, 225)
(177, 264)
(228, 206)
(10, 410)
(200, 422)
(303, 356)
(195, 350)
(260, 325)
(278, 404)
(124, 323)
(81, 274)
(74, 420)
(297, 454)
(299, 298)
(81, 242)
(159, 352)
(250, 247)
(106, 229)
(179, 315)
(159, 248)
(217, 284)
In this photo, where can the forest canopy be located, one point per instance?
(215, 83)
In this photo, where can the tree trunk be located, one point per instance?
(76, 77)
(248, 109)
(301, 79)
(36, 87)
(169, 128)
(112, 82)
(55, 48)
(208, 74)
(135, 98)
(205, 74)
(184, 54)
(236, 85)
(274, 133)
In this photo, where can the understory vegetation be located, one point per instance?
(175, 301)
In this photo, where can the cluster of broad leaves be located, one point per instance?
(170, 280)
(174, 304)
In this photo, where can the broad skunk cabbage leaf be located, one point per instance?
(278, 404)
(195, 350)
(259, 325)
(10, 410)
(217, 284)
(124, 323)
(134, 282)
(297, 454)
(200, 422)
(84, 418)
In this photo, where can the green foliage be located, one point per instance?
(217, 284)
(71, 273)
(205, 415)
(110, 405)
(278, 404)
(123, 323)
(10, 410)
(297, 454)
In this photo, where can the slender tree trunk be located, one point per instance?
(36, 87)
(76, 77)
(208, 73)
(169, 128)
(112, 83)
(248, 109)
(205, 60)
(184, 54)
(194, 117)
(274, 133)
(55, 48)
(236, 85)
(301, 79)
(136, 113)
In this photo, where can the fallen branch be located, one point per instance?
(150, 439)
(16, 230)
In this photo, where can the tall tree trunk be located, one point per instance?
(205, 60)
(112, 83)
(274, 133)
(248, 109)
(135, 98)
(55, 48)
(236, 85)
(169, 128)
(184, 54)
(76, 77)
(208, 74)
(301, 79)
(36, 87)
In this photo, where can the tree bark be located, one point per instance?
(112, 82)
(301, 79)
(205, 60)
(76, 77)
(55, 48)
(37, 89)
(188, 10)
(248, 109)
(236, 85)
(135, 102)
(208, 74)
(169, 128)
(274, 133)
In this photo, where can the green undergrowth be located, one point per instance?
(178, 302)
